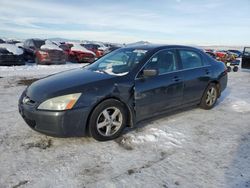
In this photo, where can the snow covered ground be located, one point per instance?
(188, 148)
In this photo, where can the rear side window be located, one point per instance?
(190, 59)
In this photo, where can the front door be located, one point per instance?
(157, 93)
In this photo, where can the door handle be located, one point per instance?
(176, 79)
(207, 71)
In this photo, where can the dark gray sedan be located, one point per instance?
(122, 88)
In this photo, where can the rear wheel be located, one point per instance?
(235, 69)
(209, 97)
(229, 69)
(108, 120)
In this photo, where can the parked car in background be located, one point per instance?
(221, 54)
(209, 50)
(19, 44)
(11, 55)
(245, 63)
(79, 54)
(229, 59)
(211, 54)
(66, 49)
(113, 47)
(98, 49)
(12, 41)
(43, 52)
(123, 87)
(237, 52)
(2, 41)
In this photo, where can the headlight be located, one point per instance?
(65, 102)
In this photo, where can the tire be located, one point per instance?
(235, 69)
(104, 127)
(209, 97)
(229, 69)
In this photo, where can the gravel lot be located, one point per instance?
(187, 148)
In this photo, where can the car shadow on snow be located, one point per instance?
(168, 114)
(238, 174)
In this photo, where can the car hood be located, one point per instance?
(67, 82)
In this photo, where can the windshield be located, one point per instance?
(119, 62)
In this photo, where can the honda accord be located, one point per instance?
(121, 88)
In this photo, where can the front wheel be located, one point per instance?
(209, 97)
(107, 120)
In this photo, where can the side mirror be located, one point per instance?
(149, 72)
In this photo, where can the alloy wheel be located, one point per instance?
(211, 96)
(109, 121)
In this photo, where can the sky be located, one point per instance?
(196, 22)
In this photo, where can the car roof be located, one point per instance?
(36, 39)
(159, 46)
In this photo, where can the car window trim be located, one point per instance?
(174, 49)
(203, 60)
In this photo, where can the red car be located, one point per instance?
(77, 53)
(96, 48)
(221, 54)
(43, 52)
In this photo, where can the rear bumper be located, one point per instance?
(55, 123)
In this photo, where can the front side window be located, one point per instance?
(118, 62)
(190, 59)
(164, 62)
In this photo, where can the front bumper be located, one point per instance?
(55, 123)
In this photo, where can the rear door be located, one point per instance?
(162, 91)
(246, 58)
(196, 74)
